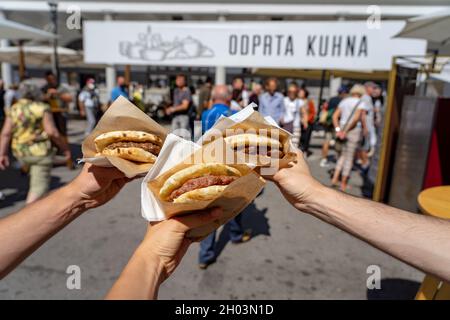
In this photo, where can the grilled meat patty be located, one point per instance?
(202, 182)
(147, 146)
(263, 151)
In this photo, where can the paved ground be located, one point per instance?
(292, 255)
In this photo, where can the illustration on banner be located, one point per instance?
(151, 47)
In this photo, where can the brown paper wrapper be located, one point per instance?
(121, 115)
(238, 195)
(255, 123)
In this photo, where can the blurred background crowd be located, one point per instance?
(38, 139)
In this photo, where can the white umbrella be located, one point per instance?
(16, 31)
(433, 27)
(41, 55)
(11, 30)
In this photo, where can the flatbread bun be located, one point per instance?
(132, 153)
(202, 194)
(176, 180)
(252, 139)
(105, 139)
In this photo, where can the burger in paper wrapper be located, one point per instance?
(255, 144)
(204, 179)
(136, 146)
(125, 138)
(199, 182)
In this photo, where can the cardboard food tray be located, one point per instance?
(238, 195)
(250, 121)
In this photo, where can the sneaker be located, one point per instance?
(205, 265)
(324, 163)
(246, 236)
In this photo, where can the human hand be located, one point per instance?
(67, 155)
(4, 162)
(166, 241)
(341, 135)
(95, 185)
(365, 133)
(52, 91)
(169, 111)
(296, 183)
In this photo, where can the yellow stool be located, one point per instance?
(434, 202)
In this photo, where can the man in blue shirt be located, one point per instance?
(120, 89)
(271, 103)
(221, 98)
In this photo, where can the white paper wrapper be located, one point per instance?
(121, 115)
(178, 154)
(249, 119)
(174, 150)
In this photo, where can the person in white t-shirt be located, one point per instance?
(349, 120)
(293, 113)
(291, 108)
(89, 104)
(370, 136)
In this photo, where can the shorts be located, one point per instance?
(365, 144)
(181, 126)
(329, 134)
(39, 170)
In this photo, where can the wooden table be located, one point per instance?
(435, 202)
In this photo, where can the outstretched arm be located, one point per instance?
(158, 255)
(421, 241)
(23, 232)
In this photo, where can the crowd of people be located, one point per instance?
(34, 119)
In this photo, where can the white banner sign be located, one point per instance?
(295, 45)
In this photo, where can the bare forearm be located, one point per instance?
(421, 241)
(82, 108)
(140, 280)
(60, 142)
(352, 124)
(4, 143)
(364, 121)
(181, 107)
(23, 232)
(336, 119)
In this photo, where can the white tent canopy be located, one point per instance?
(435, 28)
(41, 55)
(16, 31)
